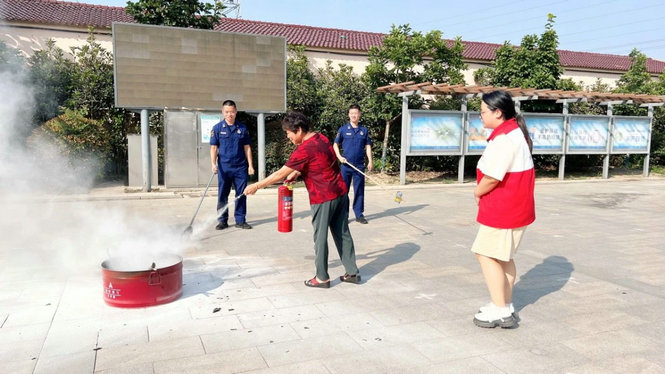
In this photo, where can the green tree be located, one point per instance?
(301, 84)
(92, 96)
(338, 88)
(405, 56)
(51, 77)
(179, 13)
(534, 64)
(638, 80)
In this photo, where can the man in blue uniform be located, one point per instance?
(231, 157)
(356, 144)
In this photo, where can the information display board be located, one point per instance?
(546, 132)
(631, 135)
(207, 122)
(477, 140)
(588, 134)
(434, 132)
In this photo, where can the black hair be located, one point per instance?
(501, 100)
(229, 103)
(355, 106)
(294, 121)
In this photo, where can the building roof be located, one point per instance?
(64, 13)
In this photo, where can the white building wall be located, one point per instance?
(30, 39)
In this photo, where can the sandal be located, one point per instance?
(355, 278)
(315, 283)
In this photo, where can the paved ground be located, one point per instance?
(590, 291)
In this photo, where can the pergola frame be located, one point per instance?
(406, 89)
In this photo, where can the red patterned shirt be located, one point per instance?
(316, 161)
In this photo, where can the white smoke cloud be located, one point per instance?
(40, 228)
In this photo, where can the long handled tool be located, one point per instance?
(398, 194)
(188, 230)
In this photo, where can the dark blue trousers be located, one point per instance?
(237, 177)
(351, 176)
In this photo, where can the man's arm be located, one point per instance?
(248, 155)
(368, 151)
(213, 157)
(338, 154)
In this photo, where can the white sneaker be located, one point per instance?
(489, 305)
(495, 316)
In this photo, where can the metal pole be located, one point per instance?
(606, 159)
(645, 170)
(465, 137)
(261, 129)
(145, 151)
(402, 152)
(562, 158)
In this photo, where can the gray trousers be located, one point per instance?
(334, 215)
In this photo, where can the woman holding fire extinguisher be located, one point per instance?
(315, 161)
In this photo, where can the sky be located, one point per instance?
(599, 26)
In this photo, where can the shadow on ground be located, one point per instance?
(380, 259)
(543, 279)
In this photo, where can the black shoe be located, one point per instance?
(362, 220)
(355, 278)
(221, 226)
(243, 225)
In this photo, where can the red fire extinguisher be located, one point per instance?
(285, 207)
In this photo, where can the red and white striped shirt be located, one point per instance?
(507, 158)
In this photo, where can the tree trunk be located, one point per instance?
(384, 148)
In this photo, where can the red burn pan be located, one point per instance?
(130, 285)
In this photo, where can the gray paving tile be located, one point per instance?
(19, 367)
(330, 325)
(133, 355)
(541, 358)
(464, 346)
(127, 333)
(241, 360)
(23, 350)
(611, 344)
(165, 330)
(280, 316)
(145, 368)
(29, 315)
(471, 365)
(313, 366)
(81, 362)
(216, 308)
(308, 349)
(245, 338)
(393, 359)
(70, 337)
(399, 335)
(628, 364)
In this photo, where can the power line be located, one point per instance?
(603, 15)
(618, 25)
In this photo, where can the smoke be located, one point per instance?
(40, 225)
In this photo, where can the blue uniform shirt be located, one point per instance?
(231, 141)
(353, 142)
